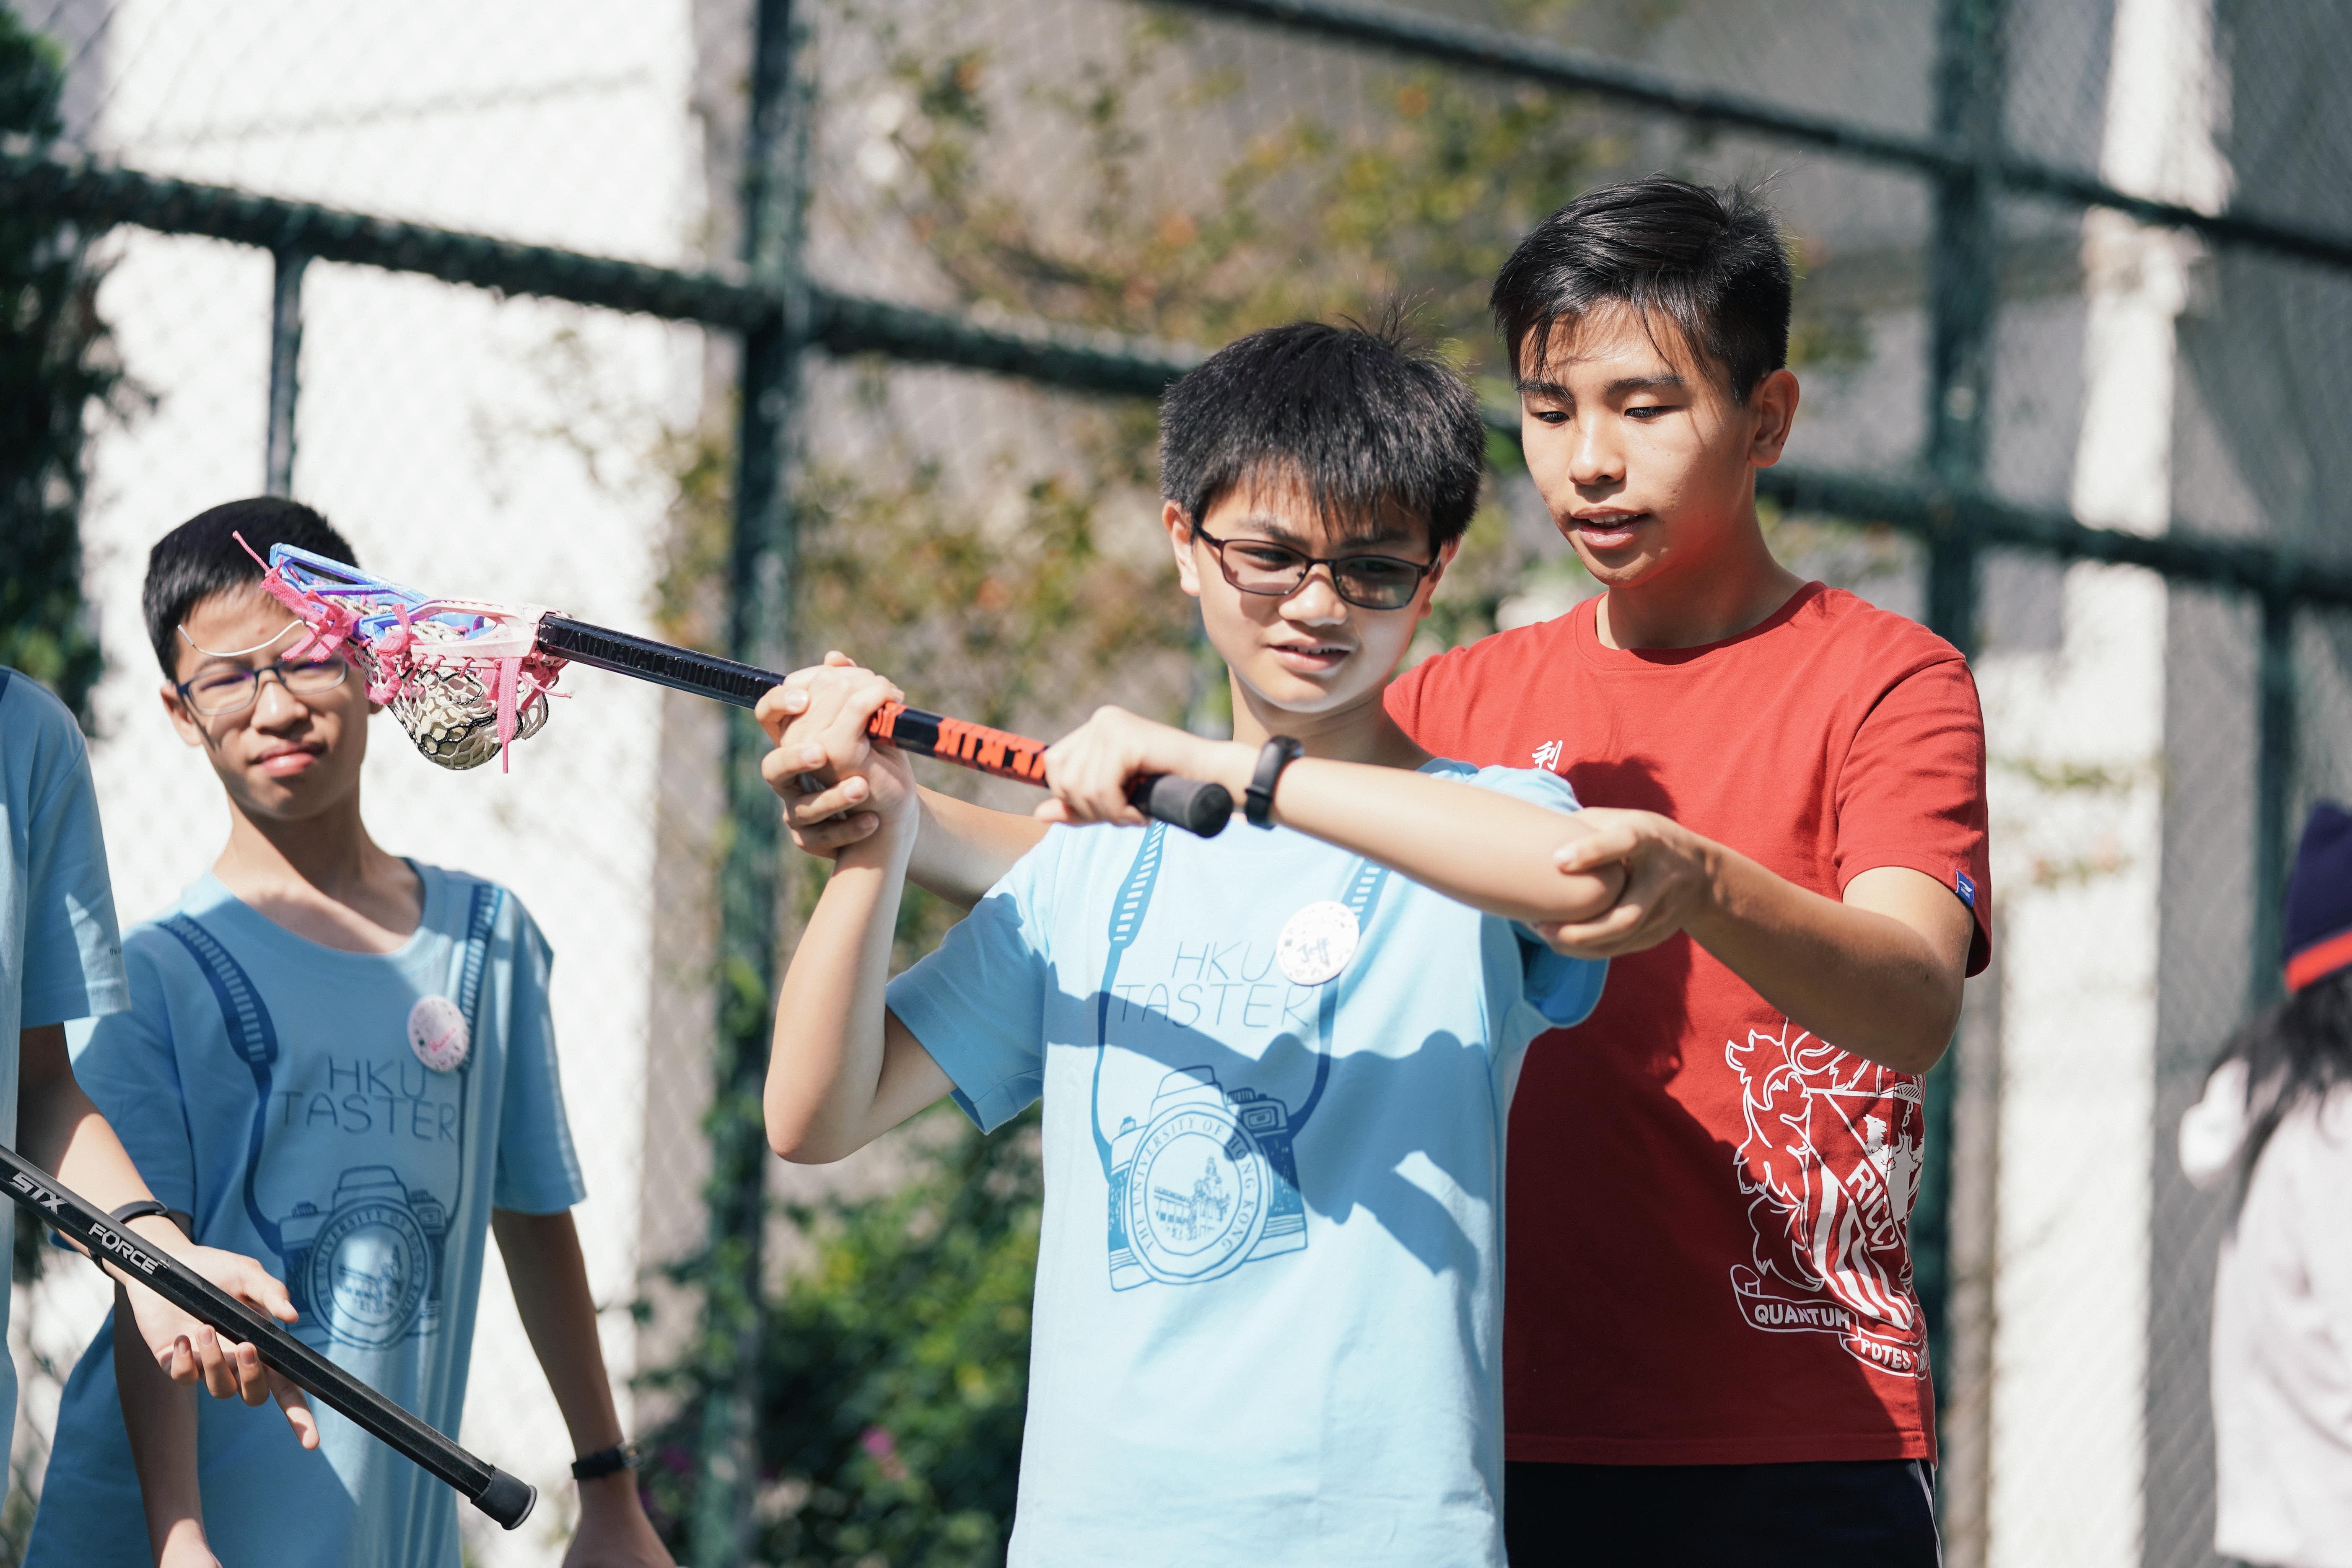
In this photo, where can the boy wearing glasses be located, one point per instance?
(1276, 1064)
(340, 1062)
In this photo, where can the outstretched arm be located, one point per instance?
(960, 850)
(1878, 976)
(843, 1070)
(1485, 849)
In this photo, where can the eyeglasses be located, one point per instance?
(1277, 571)
(232, 689)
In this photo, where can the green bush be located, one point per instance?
(895, 1368)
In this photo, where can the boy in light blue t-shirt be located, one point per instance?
(1277, 1066)
(342, 1062)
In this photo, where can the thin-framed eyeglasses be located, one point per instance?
(234, 687)
(1277, 571)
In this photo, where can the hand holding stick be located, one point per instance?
(491, 1489)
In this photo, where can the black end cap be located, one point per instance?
(507, 1499)
(1197, 807)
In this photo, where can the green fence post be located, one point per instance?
(1963, 303)
(759, 590)
(2274, 792)
(1963, 285)
(285, 368)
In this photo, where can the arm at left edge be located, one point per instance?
(62, 1131)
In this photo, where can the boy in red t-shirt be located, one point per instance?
(1712, 1350)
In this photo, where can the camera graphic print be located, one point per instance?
(1206, 1184)
(360, 1142)
(368, 1264)
(1205, 1177)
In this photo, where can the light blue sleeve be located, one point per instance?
(978, 1004)
(539, 1172)
(1564, 990)
(73, 949)
(127, 1064)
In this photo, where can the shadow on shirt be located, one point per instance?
(1408, 1141)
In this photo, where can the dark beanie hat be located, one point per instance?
(2319, 898)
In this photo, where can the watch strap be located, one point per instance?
(604, 1462)
(139, 1209)
(1257, 801)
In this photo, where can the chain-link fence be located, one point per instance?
(818, 387)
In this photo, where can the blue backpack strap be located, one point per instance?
(1363, 893)
(245, 1018)
(480, 926)
(1126, 919)
(1364, 886)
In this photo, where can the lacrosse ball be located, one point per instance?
(436, 1032)
(1317, 943)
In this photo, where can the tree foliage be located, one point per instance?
(896, 1368)
(54, 376)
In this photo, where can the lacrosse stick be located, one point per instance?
(491, 1489)
(468, 678)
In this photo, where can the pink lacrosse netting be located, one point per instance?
(464, 678)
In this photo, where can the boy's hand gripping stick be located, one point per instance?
(491, 1489)
(466, 679)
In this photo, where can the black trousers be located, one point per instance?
(1875, 1513)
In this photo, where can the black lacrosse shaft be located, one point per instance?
(1202, 808)
(491, 1489)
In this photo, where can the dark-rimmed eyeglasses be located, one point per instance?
(233, 688)
(1277, 571)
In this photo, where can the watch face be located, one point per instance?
(1196, 1195)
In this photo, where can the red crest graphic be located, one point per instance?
(1829, 1166)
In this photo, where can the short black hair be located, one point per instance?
(1359, 416)
(1712, 262)
(202, 557)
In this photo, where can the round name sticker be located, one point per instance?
(436, 1032)
(1317, 943)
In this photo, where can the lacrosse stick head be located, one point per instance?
(464, 678)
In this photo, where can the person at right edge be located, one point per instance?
(2276, 1119)
(1712, 1350)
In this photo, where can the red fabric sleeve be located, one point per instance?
(1461, 703)
(1403, 699)
(1911, 791)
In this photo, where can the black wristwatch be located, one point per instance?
(604, 1462)
(1257, 801)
